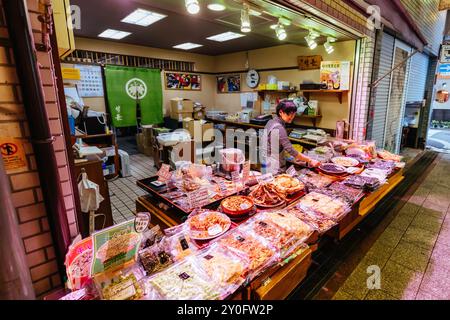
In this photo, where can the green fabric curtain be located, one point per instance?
(125, 87)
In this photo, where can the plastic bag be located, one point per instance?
(179, 245)
(183, 281)
(313, 180)
(314, 219)
(260, 253)
(121, 285)
(330, 207)
(339, 189)
(155, 258)
(226, 269)
(289, 223)
(151, 236)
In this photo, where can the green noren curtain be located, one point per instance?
(125, 87)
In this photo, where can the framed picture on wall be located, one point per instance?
(183, 81)
(229, 83)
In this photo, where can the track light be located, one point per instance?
(192, 6)
(280, 32)
(314, 34)
(245, 19)
(329, 48)
(311, 43)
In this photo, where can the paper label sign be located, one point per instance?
(268, 177)
(141, 221)
(164, 173)
(13, 154)
(214, 230)
(291, 171)
(198, 198)
(223, 187)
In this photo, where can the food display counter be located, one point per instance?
(247, 236)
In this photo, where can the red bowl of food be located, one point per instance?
(237, 205)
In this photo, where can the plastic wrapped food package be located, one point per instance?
(155, 258)
(387, 165)
(179, 245)
(257, 251)
(183, 281)
(330, 207)
(151, 236)
(347, 192)
(285, 242)
(122, 285)
(288, 222)
(316, 220)
(314, 180)
(362, 182)
(207, 224)
(227, 269)
(379, 174)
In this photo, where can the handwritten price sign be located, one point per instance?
(164, 173)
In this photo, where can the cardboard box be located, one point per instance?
(180, 116)
(179, 105)
(144, 144)
(199, 131)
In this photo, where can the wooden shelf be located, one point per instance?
(261, 93)
(312, 118)
(339, 93)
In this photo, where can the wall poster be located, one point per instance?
(229, 84)
(183, 81)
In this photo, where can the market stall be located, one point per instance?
(226, 232)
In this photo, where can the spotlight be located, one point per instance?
(245, 20)
(314, 34)
(192, 6)
(311, 43)
(280, 32)
(329, 48)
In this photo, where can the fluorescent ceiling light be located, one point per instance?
(226, 36)
(114, 34)
(187, 46)
(216, 7)
(143, 17)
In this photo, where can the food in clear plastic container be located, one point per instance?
(207, 224)
(347, 192)
(316, 220)
(330, 207)
(179, 245)
(387, 165)
(258, 253)
(155, 259)
(362, 182)
(122, 285)
(284, 241)
(223, 266)
(386, 155)
(183, 281)
(314, 180)
(379, 174)
(288, 222)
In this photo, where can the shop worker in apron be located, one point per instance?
(275, 134)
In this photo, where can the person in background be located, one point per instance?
(276, 129)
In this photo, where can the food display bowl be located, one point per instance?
(237, 213)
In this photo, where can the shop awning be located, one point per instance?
(396, 14)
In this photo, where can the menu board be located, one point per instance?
(91, 83)
(335, 74)
(114, 247)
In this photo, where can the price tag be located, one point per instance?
(291, 171)
(223, 187)
(164, 173)
(214, 230)
(245, 172)
(268, 177)
(198, 198)
(142, 221)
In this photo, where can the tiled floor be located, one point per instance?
(413, 253)
(124, 191)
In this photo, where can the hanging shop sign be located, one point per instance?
(335, 75)
(229, 83)
(183, 81)
(445, 54)
(115, 247)
(309, 62)
(444, 71)
(13, 155)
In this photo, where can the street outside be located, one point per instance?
(439, 140)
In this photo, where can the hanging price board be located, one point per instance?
(291, 171)
(164, 173)
(198, 198)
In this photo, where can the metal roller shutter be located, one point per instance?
(383, 89)
(417, 77)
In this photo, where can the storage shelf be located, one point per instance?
(339, 93)
(312, 118)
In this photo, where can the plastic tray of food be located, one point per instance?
(265, 195)
(207, 224)
(314, 180)
(315, 220)
(332, 208)
(339, 189)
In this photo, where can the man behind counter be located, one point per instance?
(286, 111)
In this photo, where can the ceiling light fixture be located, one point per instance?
(245, 19)
(329, 48)
(311, 43)
(187, 46)
(216, 7)
(314, 34)
(192, 6)
(114, 34)
(226, 36)
(280, 32)
(143, 17)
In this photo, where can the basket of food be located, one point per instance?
(288, 185)
(265, 195)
